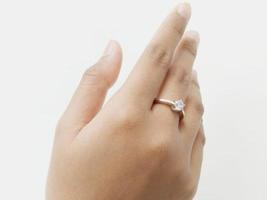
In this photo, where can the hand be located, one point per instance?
(132, 149)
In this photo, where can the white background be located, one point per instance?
(46, 45)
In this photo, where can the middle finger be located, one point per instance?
(149, 73)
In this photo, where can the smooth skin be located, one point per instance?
(130, 148)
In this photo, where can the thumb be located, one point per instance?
(91, 92)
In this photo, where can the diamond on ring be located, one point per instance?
(175, 105)
(178, 105)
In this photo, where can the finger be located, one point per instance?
(197, 153)
(194, 111)
(179, 77)
(147, 76)
(91, 92)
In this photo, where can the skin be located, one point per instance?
(131, 148)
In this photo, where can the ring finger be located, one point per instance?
(178, 79)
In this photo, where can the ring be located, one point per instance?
(176, 105)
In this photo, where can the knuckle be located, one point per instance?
(91, 73)
(159, 148)
(160, 55)
(178, 29)
(199, 107)
(184, 76)
(190, 45)
(95, 77)
(129, 118)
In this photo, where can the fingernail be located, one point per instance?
(184, 10)
(110, 48)
(194, 35)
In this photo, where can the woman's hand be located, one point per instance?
(132, 149)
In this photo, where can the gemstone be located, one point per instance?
(179, 105)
